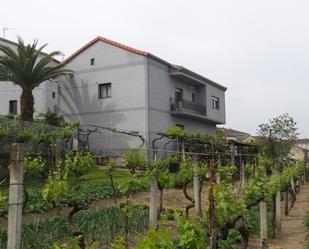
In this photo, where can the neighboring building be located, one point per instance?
(239, 136)
(303, 143)
(45, 96)
(121, 87)
(300, 150)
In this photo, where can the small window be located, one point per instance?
(215, 102)
(13, 107)
(180, 126)
(193, 98)
(54, 95)
(92, 61)
(105, 90)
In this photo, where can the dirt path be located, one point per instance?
(294, 232)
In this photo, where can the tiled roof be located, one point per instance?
(143, 53)
(302, 141)
(233, 133)
(116, 44)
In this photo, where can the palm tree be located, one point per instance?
(28, 67)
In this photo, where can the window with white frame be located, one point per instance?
(215, 102)
(105, 90)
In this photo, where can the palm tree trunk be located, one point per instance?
(27, 103)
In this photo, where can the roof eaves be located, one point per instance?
(108, 41)
(185, 70)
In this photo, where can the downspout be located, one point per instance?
(147, 123)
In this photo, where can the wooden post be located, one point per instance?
(16, 192)
(183, 151)
(58, 156)
(278, 211)
(263, 225)
(232, 148)
(218, 177)
(242, 174)
(196, 186)
(211, 214)
(153, 207)
(286, 206)
(292, 185)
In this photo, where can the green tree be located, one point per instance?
(28, 67)
(278, 136)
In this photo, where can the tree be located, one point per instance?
(278, 136)
(28, 67)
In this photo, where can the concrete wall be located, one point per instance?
(125, 110)
(42, 95)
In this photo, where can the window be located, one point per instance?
(13, 107)
(178, 94)
(92, 61)
(193, 98)
(105, 90)
(180, 126)
(54, 95)
(215, 102)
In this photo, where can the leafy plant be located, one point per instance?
(161, 239)
(78, 165)
(134, 159)
(34, 166)
(232, 240)
(191, 236)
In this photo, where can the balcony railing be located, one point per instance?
(187, 107)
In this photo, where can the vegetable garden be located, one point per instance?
(230, 194)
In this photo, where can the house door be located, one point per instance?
(178, 95)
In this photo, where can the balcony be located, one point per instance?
(187, 108)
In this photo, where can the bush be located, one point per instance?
(171, 213)
(161, 239)
(34, 166)
(134, 159)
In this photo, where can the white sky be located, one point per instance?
(259, 49)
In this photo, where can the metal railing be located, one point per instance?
(185, 106)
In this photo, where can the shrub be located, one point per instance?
(161, 239)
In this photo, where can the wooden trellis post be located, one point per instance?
(242, 174)
(211, 213)
(58, 156)
(263, 225)
(286, 206)
(278, 211)
(218, 177)
(153, 207)
(16, 199)
(196, 185)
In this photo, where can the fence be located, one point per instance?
(108, 217)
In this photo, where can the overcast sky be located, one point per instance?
(259, 49)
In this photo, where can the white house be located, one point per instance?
(125, 88)
(45, 96)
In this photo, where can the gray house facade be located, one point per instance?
(132, 90)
